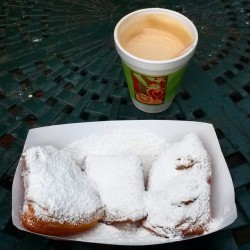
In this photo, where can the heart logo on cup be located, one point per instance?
(157, 94)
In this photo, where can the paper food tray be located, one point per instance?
(222, 191)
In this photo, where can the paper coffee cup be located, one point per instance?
(153, 83)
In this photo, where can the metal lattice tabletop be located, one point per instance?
(58, 65)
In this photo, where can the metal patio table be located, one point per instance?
(58, 65)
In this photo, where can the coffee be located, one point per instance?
(155, 46)
(154, 37)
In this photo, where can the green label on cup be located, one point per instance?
(152, 90)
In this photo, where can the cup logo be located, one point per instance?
(149, 89)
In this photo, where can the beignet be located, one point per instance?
(59, 199)
(179, 190)
(121, 186)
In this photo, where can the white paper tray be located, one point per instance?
(222, 190)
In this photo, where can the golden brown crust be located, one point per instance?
(190, 164)
(52, 227)
(193, 231)
(37, 225)
(137, 223)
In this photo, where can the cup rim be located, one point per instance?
(156, 10)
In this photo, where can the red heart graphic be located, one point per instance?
(157, 94)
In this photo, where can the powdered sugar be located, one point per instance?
(146, 145)
(61, 136)
(57, 187)
(128, 233)
(178, 190)
(120, 182)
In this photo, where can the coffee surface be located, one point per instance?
(154, 37)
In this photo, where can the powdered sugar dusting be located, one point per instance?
(146, 145)
(120, 182)
(57, 187)
(124, 233)
(169, 130)
(178, 191)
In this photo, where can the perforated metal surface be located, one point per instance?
(58, 65)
